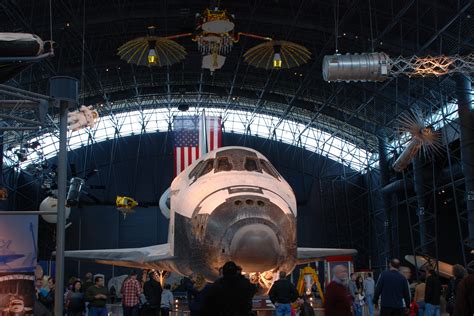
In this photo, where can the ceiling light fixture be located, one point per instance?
(152, 57)
(277, 63)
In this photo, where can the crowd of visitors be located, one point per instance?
(232, 294)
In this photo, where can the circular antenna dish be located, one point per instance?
(50, 204)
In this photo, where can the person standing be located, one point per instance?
(97, 297)
(198, 293)
(282, 294)
(369, 289)
(432, 293)
(419, 298)
(356, 307)
(393, 288)
(88, 282)
(464, 305)
(39, 309)
(131, 291)
(47, 299)
(152, 290)
(75, 305)
(338, 301)
(166, 300)
(229, 295)
(459, 274)
(304, 307)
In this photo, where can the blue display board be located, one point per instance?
(18, 243)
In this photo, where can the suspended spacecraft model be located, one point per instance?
(215, 35)
(423, 139)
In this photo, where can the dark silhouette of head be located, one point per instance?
(229, 269)
(395, 263)
(459, 272)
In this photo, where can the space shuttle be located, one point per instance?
(230, 204)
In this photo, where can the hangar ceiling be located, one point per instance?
(88, 34)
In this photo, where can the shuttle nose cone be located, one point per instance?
(255, 247)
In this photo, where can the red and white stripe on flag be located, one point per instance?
(186, 155)
(183, 157)
(214, 133)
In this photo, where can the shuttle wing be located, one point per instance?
(306, 255)
(146, 257)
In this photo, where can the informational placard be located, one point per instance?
(18, 243)
(18, 253)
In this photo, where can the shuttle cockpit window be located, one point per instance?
(223, 164)
(269, 168)
(196, 169)
(209, 165)
(251, 164)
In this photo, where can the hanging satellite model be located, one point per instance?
(50, 204)
(423, 138)
(215, 36)
(378, 66)
(125, 205)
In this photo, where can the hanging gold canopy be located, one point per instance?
(291, 54)
(137, 51)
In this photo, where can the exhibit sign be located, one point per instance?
(18, 253)
(333, 261)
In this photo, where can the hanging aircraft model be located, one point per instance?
(231, 204)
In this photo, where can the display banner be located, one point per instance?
(18, 253)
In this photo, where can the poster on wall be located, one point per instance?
(18, 253)
(18, 236)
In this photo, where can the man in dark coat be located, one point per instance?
(338, 299)
(282, 294)
(229, 295)
(464, 305)
(152, 291)
(394, 289)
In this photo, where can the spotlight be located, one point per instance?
(152, 57)
(277, 58)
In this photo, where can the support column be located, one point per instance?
(2, 203)
(466, 122)
(384, 180)
(64, 90)
(418, 184)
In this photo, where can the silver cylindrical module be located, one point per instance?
(356, 67)
(407, 155)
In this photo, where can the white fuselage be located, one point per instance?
(230, 204)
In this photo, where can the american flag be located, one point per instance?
(187, 139)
